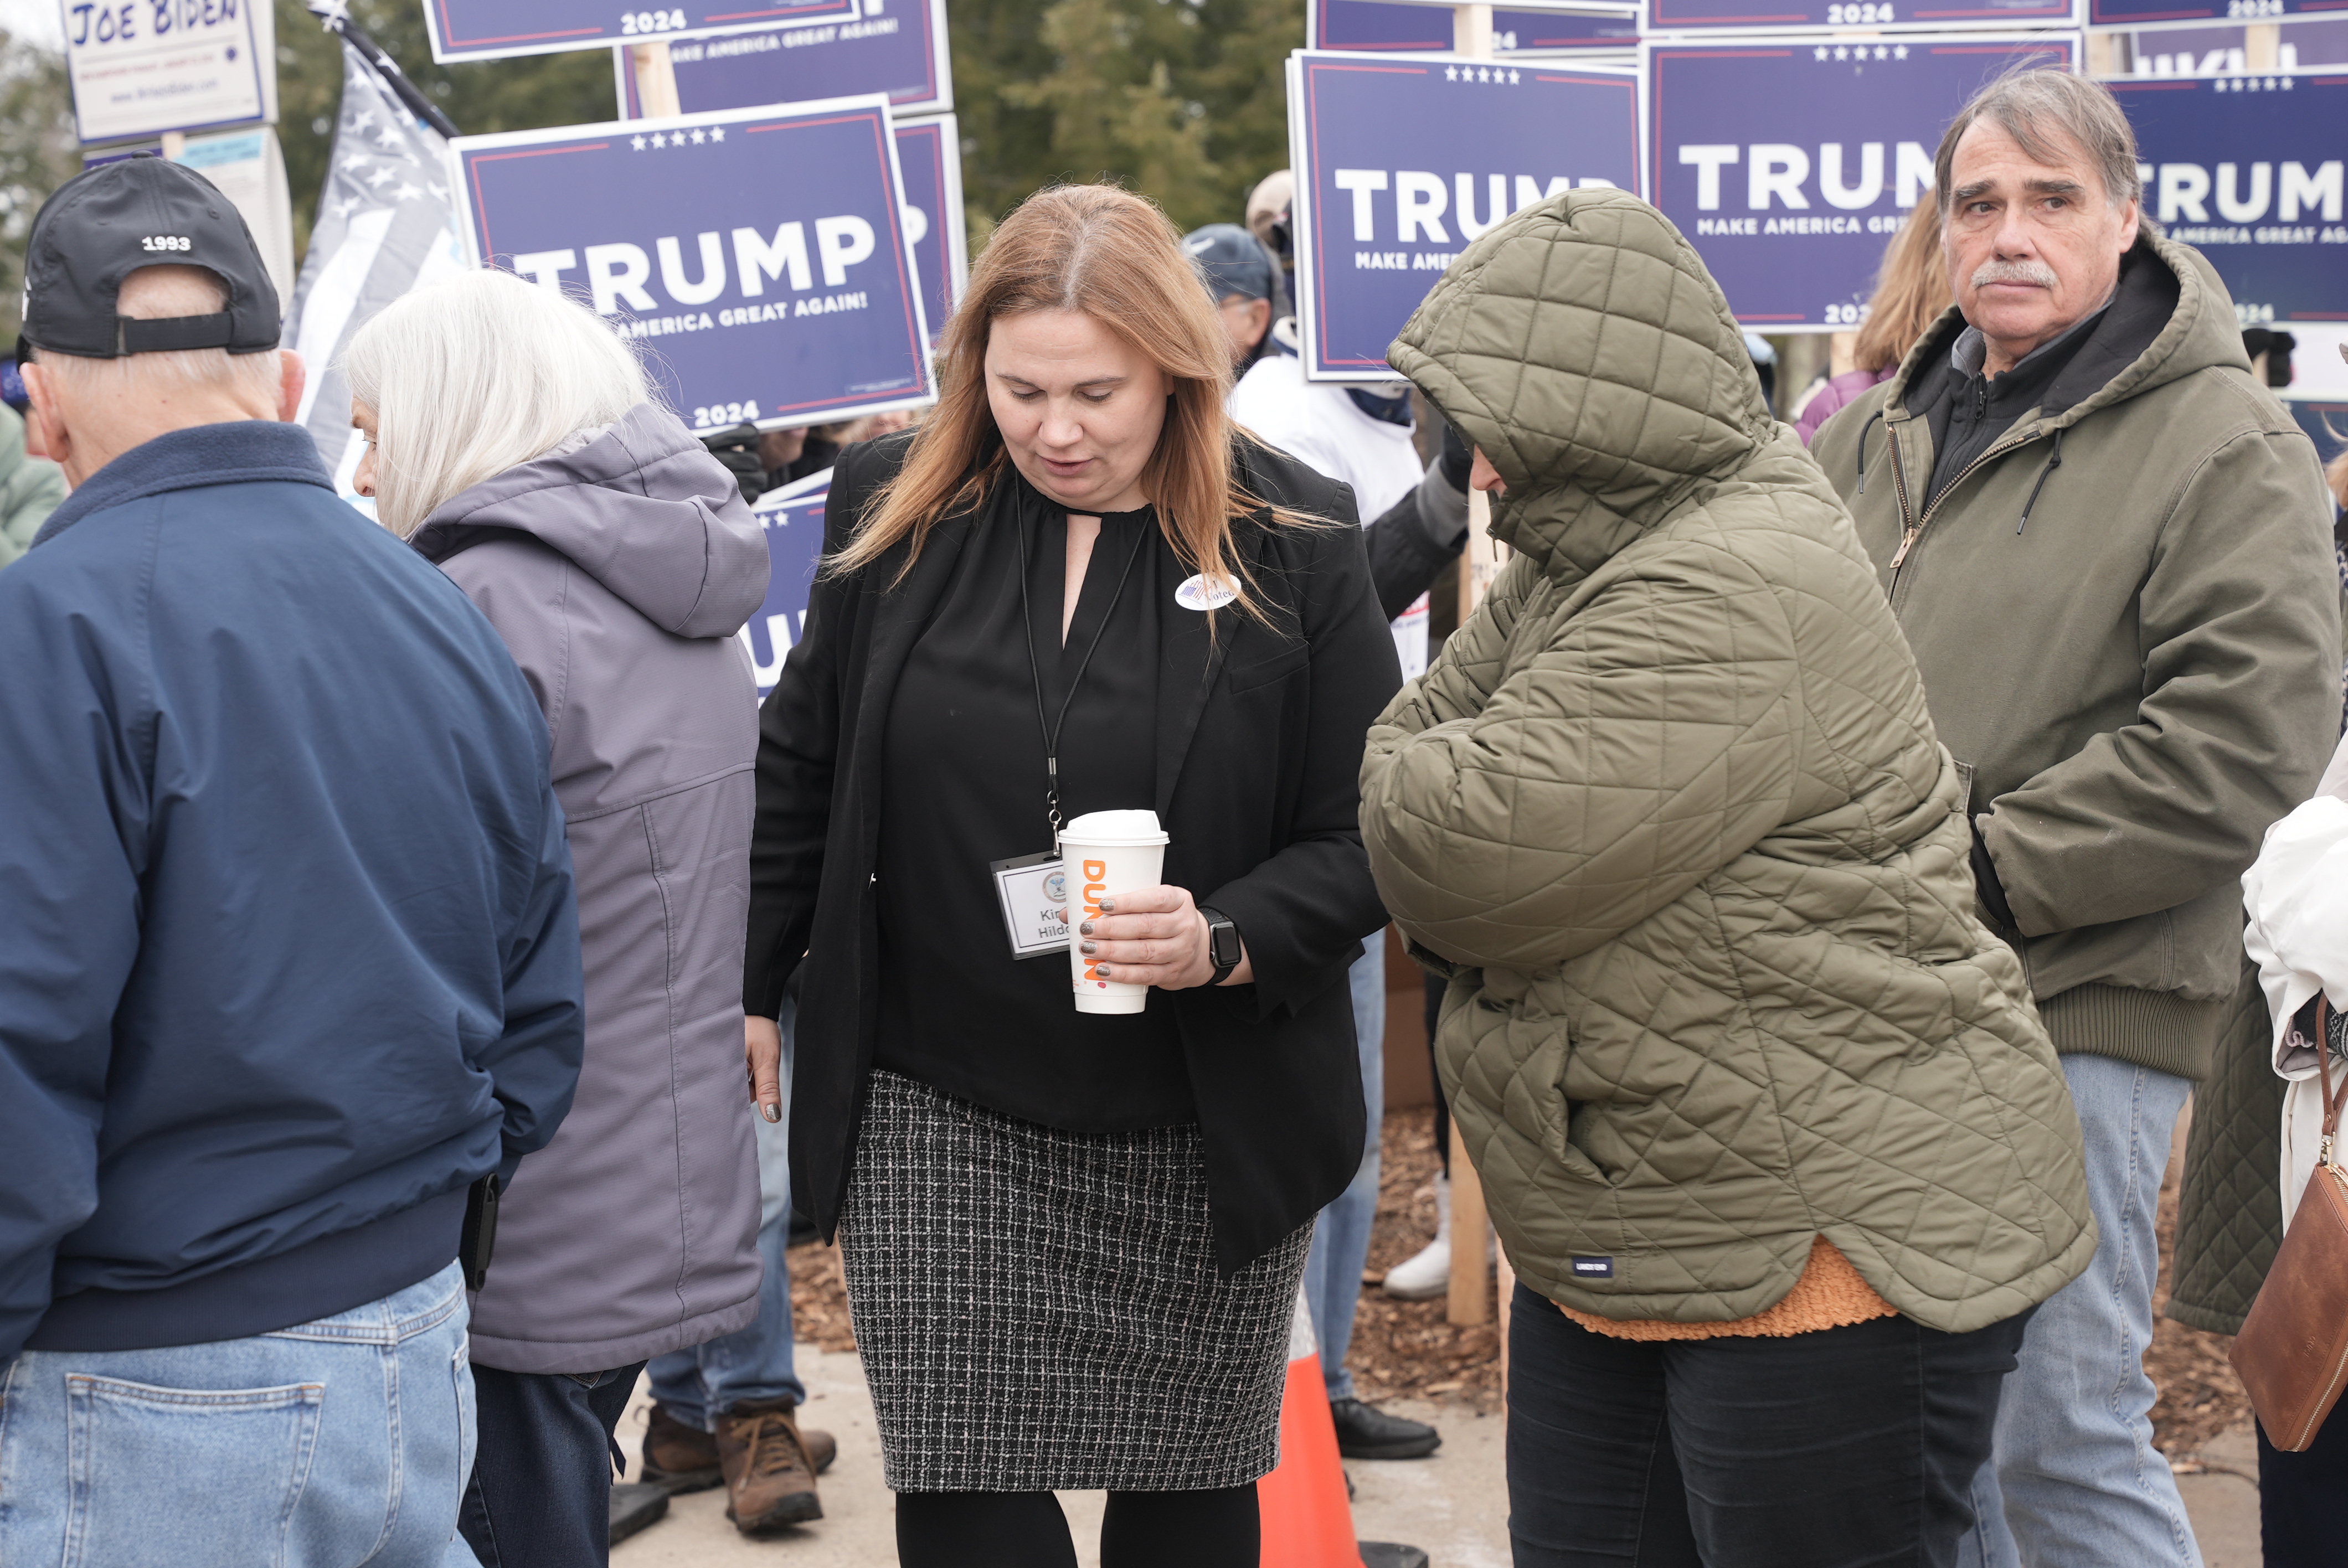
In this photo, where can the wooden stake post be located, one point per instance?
(1471, 1278)
(656, 81)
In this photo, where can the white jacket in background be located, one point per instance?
(2296, 895)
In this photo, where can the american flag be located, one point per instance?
(386, 223)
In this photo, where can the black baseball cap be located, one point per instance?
(105, 223)
(1232, 261)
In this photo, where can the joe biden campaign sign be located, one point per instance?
(1791, 162)
(2248, 169)
(765, 255)
(1401, 161)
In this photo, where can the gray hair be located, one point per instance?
(2044, 108)
(477, 375)
(150, 293)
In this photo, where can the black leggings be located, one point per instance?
(1027, 1530)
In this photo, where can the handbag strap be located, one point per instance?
(2331, 1101)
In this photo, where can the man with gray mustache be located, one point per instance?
(2109, 546)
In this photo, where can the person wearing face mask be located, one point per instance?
(1764, 1116)
(2109, 548)
(1072, 1241)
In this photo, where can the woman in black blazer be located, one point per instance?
(1072, 1241)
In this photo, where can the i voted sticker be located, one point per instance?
(1198, 593)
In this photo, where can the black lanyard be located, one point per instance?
(1051, 728)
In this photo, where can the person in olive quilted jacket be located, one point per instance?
(1772, 1134)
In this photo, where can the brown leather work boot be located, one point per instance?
(681, 1458)
(769, 1474)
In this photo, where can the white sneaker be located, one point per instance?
(1427, 1275)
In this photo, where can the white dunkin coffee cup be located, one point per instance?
(1107, 853)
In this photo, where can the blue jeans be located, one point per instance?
(1341, 1237)
(340, 1440)
(697, 1386)
(542, 1491)
(2073, 1481)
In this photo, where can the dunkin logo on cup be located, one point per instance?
(1095, 884)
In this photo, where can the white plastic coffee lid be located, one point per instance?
(1115, 829)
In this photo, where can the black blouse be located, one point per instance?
(963, 785)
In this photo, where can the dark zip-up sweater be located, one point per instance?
(291, 953)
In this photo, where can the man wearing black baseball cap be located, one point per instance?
(293, 958)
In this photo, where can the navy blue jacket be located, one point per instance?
(289, 954)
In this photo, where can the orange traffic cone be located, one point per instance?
(1307, 1522)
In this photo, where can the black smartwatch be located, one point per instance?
(1222, 944)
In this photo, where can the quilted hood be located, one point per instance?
(1583, 346)
(641, 507)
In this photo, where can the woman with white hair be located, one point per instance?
(513, 439)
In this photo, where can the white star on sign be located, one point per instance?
(1841, 53)
(1822, 51)
(637, 142)
(717, 133)
(1882, 52)
(697, 139)
(1899, 51)
(1514, 78)
(1450, 73)
(659, 140)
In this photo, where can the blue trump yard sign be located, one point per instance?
(1401, 161)
(765, 255)
(2134, 13)
(2247, 171)
(1778, 16)
(498, 29)
(896, 47)
(792, 517)
(1789, 163)
(1396, 26)
(929, 152)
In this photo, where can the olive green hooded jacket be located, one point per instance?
(2127, 616)
(1669, 811)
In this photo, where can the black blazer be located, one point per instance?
(1260, 734)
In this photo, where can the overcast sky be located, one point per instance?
(35, 21)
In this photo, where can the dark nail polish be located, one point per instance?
(1102, 970)
(1086, 930)
(1089, 948)
(1109, 905)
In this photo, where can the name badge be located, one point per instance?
(1033, 891)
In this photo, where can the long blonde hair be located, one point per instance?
(1911, 293)
(477, 375)
(1116, 257)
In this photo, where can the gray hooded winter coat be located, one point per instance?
(617, 568)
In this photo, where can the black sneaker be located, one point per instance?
(1364, 1432)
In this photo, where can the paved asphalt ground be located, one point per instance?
(1453, 1505)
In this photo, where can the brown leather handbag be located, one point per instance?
(2292, 1351)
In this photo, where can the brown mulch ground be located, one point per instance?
(1408, 1347)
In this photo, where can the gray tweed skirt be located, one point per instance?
(1039, 1310)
